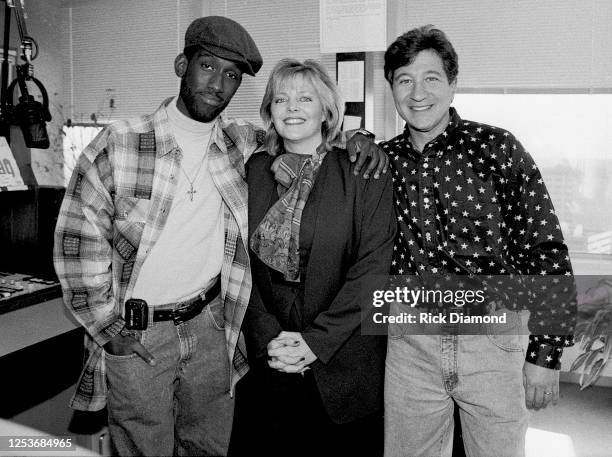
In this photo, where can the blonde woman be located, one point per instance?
(318, 234)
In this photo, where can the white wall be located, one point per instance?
(44, 24)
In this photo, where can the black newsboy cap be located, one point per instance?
(226, 39)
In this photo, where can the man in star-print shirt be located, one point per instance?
(469, 201)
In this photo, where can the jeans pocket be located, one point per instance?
(510, 343)
(214, 311)
(118, 358)
(138, 335)
(506, 336)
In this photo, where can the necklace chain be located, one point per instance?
(191, 190)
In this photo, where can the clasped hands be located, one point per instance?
(289, 353)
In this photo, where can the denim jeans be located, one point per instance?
(182, 405)
(481, 373)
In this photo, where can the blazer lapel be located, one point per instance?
(317, 251)
(261, 197)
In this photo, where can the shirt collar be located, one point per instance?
(442, 139)
(261, 148)
(163, 129)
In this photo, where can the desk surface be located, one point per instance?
(18, 290)
(27, 326)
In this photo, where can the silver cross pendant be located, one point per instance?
(191, 192)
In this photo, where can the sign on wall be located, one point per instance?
(9, 171)
(353, 25)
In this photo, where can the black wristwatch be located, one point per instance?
(365, 133)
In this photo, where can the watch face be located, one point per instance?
(366, 133)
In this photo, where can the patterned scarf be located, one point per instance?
(276, 241)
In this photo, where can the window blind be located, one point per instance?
(280, 29)
(521, 44)
(123, 50)
(525, 45)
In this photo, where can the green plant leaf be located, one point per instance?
(593, 374)
(592, 356)
(587, 342)
(578, 361)
(580, 330)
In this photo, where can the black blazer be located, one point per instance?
(353, 240)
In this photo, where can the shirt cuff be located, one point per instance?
(263, 339)
(346, 135)
(258, 332)
(109, 331)
(544, 355)
(342, 139)
(319, 347)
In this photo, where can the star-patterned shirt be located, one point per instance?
(474, 203)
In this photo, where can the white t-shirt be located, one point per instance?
(188, 255)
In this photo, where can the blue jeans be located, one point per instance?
(182, 405)
(481, 373)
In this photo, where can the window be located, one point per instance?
(570, 138)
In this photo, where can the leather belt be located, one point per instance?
(192, 310)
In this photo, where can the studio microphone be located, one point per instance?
(31, 116)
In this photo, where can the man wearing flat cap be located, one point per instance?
(151, 252)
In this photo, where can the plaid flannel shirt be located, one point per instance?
(114, 210)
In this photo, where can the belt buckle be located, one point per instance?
(184, 314)
(449, 328)
(177, 318)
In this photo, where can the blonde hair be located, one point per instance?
(325, 88)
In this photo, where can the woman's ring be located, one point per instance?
(547, 393)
